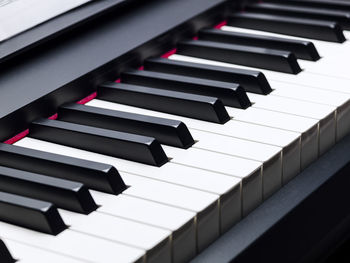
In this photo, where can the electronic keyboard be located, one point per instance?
(177, 131)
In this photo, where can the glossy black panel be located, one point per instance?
(73, 62)
(306, 219)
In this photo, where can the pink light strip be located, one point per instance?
(88, 98)
(24, 133)
(17, 137)
(220, 25)
(169, 53)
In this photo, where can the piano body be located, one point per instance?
(177, 131)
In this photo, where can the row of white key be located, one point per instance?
(229, 201)
(205, 206)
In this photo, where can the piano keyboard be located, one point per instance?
(156, 165)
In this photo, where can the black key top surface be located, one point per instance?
(170, 132)
(63, 193)
(271, 59)
(5, 256)
(343, 18)
(30, 213)
(301, 48)
(324, 4)
(231, 94)
(97, 176)
(190, 105)
(117, 144)
(301, 27)
(250, 80)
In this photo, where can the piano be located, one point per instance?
(177, 131)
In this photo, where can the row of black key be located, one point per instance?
(340, 16)
(63, 181)
(34, 183)
(317, 19)
(200, 91)
(36, 179)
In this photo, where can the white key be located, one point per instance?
(227, 187)
(324, 114)
(308, 128)
(74, 244)
(270, 156)
(326, 66)
(248, 171)
(310, 94)
(28, 254)
(206, 204)
(289, 141)
(155, 241)
(180, 222)
(322, 96)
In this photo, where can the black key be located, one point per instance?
(5, 256)
(301, 48)
(30, 213)
(324, 4)
(271, 59)
(97, 176)
(179, 103)
(250, 80)
(315, 29)
(230, 94)
(117, 144)
(170, 132)
(65, 194)
(343, 18)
